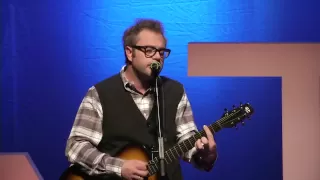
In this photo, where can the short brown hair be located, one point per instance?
(129, 37)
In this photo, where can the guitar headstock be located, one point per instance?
(231, 118)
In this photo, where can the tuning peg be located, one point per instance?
(225, 110)
(241, 104)
(233, 106)
(242, 123)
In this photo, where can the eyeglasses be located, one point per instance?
(150, 51)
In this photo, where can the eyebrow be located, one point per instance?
(158, 47)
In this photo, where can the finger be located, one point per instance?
(211, 141)
(204, 140)
(209, 136)
(141, 173)
(141, 165)
(205, 143)
(136, 177)
(199, 144)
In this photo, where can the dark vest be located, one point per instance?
(124, 124)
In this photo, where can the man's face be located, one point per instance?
(144, 53)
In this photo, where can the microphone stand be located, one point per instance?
(161, 123)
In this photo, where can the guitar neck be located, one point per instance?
(181, 148)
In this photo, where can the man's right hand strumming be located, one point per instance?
(134, 170)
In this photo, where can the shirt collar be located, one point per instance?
(126, 83)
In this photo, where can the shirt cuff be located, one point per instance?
(114, 165)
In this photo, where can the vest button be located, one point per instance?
(148, 124)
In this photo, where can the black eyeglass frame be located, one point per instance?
(154, 49)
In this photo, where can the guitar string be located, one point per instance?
(218, 125)
(167, 154)
(211, 127)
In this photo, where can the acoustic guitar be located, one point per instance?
(229, 119)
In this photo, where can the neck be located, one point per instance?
(141, 83)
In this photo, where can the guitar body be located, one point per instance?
(128, 153)
(136, 153)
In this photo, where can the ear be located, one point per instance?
(129, 53)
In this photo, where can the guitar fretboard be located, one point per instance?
(181, 148)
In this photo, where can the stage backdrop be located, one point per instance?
(53, 51)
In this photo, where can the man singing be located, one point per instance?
(121, 110)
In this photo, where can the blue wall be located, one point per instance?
(53, 51)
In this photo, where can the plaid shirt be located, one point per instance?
(86, 132)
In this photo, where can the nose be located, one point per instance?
(157, 56)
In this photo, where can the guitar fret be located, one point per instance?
(211, 128)
(191, 145)
(194, 138)
(180, 148)
(156, 165)
(178, 154)
(172, 154)
(168, 156)
(198, 135)
(151, 169)
(165, 159)
(185, 146)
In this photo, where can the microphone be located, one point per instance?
(155, 68)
